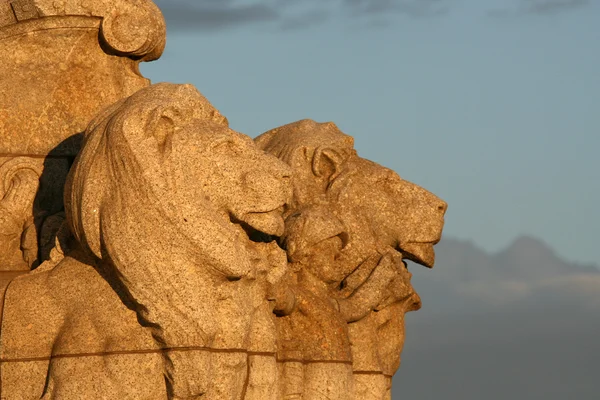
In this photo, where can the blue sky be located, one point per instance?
(494, 105)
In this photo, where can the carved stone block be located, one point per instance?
(56, 73)
(24, 9)
(7, 15)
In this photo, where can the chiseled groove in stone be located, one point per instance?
(372, 373)
(306, 362)
(36, 156)
(49, 23)
(176, 349)
(126, 352)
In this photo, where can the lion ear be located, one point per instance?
(19, 182)
(161, 127)
(327, 163)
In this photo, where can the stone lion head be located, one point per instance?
(168, 148)
(351, 224)
(401, 214)
(164, 196)
(369, 206)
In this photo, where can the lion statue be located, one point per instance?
(164, 289)
(349, 227)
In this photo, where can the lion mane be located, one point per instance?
(160, 197)
(122, 204)
(367, 219)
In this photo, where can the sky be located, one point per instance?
(493, 105)
(520, 324)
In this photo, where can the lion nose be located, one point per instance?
(442, 207)
(436, 203)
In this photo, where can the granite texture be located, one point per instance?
(149, 251)
(350, 225)
(62, 62)
(162, 202)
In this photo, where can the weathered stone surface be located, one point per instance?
(161, 200)
(18, 188)
(350, 225)
(188, 260)
(62, 62)
(173, 266)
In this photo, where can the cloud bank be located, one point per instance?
(552, 6)
(212, 15)
(520, 324)
(538, 7)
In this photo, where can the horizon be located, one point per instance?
(518, 238)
